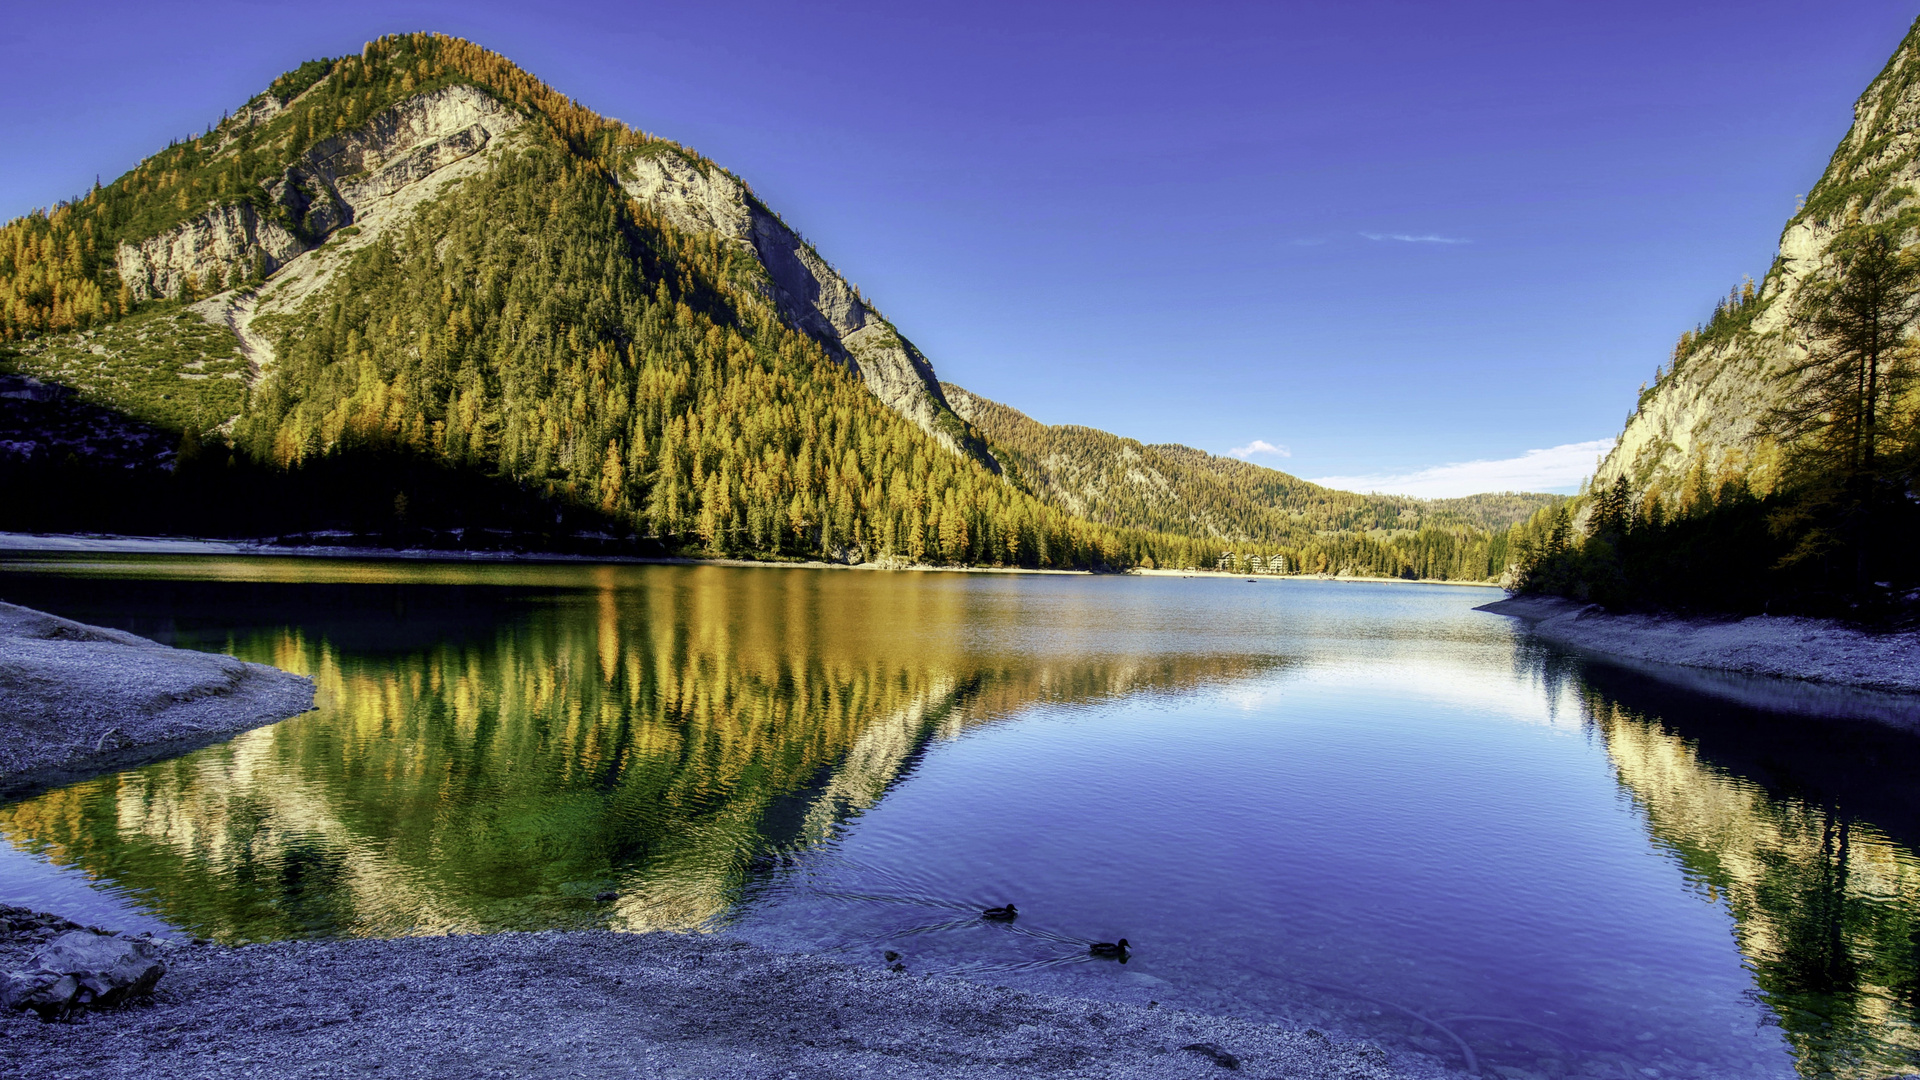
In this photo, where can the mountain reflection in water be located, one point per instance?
(1362, 808)
(484, 763)
(1806, 832)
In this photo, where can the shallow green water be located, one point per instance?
(1362, 807)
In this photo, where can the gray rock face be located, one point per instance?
(221, 239)
(325, 190)
(812, 297)
(81, 970)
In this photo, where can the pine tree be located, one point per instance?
(1838, 418)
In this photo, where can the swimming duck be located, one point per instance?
(1001, 914)
(1114, 949)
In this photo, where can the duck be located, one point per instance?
(1112, 949)
(1001, 914)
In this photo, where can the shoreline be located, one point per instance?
(1786, 663)
(78, 701)
(113, 544)
(1342, 578)
(603, 1003)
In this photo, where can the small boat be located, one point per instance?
(1001, 914)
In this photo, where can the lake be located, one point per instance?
(1364, 808)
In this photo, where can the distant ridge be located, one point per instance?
(1171, 488)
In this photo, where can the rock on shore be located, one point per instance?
(598, 1003)
(1815, 650)
(78, 700)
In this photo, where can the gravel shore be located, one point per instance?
(1842, 669)
(594, 1004)
(79, 700)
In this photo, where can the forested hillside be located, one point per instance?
(1245, 507)
(524, 322)
(416, 294)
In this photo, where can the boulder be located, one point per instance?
(81, 970)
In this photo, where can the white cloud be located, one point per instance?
(1408, 238)
(1259, 446)
(1557, 467)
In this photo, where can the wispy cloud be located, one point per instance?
(1259, 446)
(1557, 467)
(1409, 238)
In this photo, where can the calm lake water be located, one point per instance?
(1362, 808)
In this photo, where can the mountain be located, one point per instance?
(417, 294)
(350, 150)
(1772, 465)
(1703, 418)
(418, 271)
(1168, 488)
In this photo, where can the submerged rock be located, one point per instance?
(21, 925)
(1214, 1053)
(80, 970)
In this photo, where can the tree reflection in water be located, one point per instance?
(497, 758)
(498, 747)
(1804, 828)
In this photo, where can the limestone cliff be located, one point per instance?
(1702, 419)
(335, 183)
(698, 197)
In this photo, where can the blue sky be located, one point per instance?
(1431, 247)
